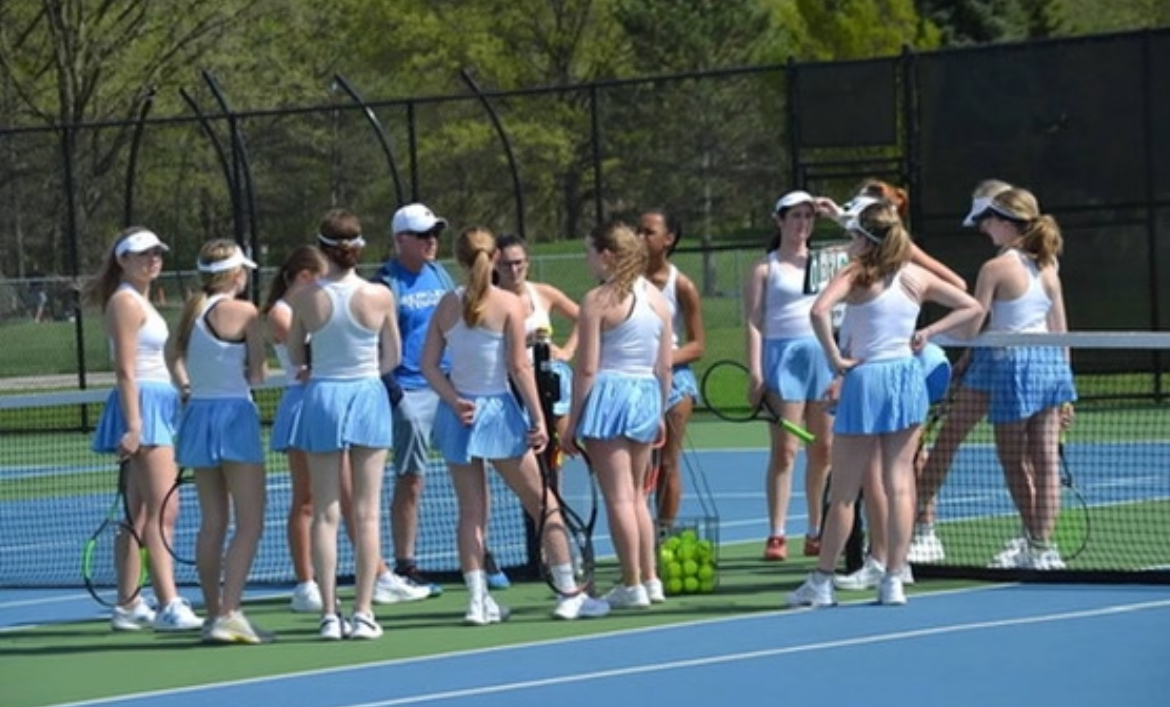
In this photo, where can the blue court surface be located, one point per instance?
(1001, 645)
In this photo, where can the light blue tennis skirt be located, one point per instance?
(937, 369)
(622, 405)
(158, 404)
(288, 415)
(565, 376)
(1021, 380)
(339, 414)
(682, 385)
(882, 396)
(212, 432)
(796, 369)
(498, 431)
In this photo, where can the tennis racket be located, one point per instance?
(113, 540)
(1073, 523)
(181, 543)
(724, 388)
(563, 526)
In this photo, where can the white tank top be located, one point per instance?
(150, 362)
(670, 292)
(216, 367)
(538, 318)
(343, 348)
(628, 347)
(786, 306)
(882, 327)
(478, 364)
(1029, 311)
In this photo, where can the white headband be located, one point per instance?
(235, 260)
(355, 242)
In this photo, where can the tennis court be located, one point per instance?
(957, 642)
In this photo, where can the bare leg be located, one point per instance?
(245, 486)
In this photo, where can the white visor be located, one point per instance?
(978, 205)
(235, 260)
(355, 242)
(139, 242)
(851, 218)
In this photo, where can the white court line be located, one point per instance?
(754, 655)
(633, 670)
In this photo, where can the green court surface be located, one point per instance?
(70, 662)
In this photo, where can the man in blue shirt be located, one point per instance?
(418, 282)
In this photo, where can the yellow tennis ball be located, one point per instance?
(665, 556)
(706, 586)
(690, 568)
(689, 535)
(672, 543)
(690, 585)
(686, 551)
(674, 569)
(674, 585)
(706, 572)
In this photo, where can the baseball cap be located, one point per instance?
(139, 242)
(416, 218)
(794, 198)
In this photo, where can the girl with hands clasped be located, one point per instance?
(620, 388)
(883, 397)
(480, 420)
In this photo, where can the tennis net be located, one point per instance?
(1107, 516)
(54, 492)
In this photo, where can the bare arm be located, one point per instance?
(124, 317)
(562, 304)
(389, 338)
(691, 304)
(821, 316)
(520, 371)
(753, 305)
(257, 356)
(432, 355)
(964, 317)
(587, 361)
(662, 363)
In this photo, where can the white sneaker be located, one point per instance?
(1011, 556)
(926, 548)
(334, 627)
(306, 598)
(363, 626)
(890, 591)
(817, 591)
(483, 611)
(236, 628)
(135, 618)
(177, 616)
(655, 591)
(1037, 558)
(865, 578)
(392, 589)
(906, 575)
(580, 606)
(623, 597)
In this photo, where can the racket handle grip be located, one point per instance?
(798, 431)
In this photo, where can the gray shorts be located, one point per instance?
(414, 421)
